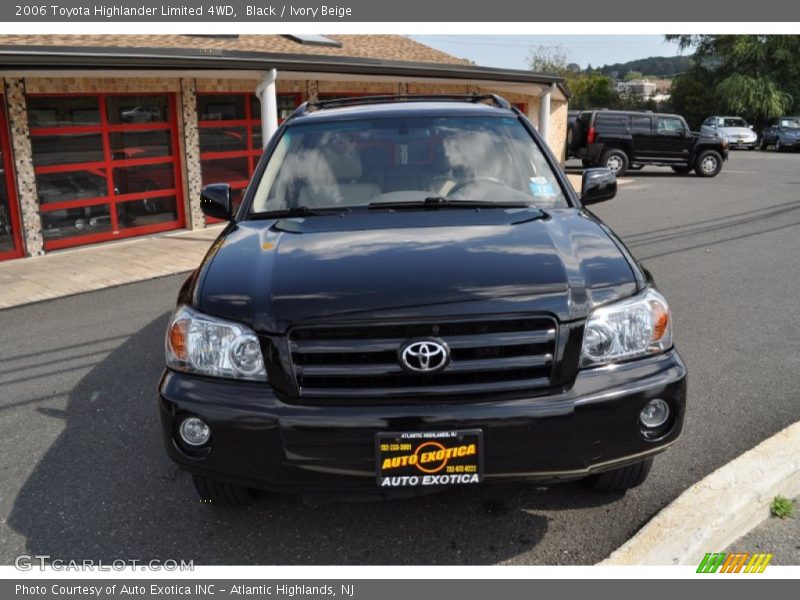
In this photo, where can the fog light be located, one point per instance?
(194, 431)
(655, 413)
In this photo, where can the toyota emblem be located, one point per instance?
(424, 356)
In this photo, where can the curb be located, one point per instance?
(719, 509)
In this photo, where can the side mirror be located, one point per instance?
(750, 126)
(598, 185)
(215, 201)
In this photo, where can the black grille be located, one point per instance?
(362, 360)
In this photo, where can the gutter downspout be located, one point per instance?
(544, 112)
(267, 94)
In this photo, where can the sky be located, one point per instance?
(511, 51)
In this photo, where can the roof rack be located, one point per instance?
(306, 107)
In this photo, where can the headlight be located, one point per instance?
(198, 343)
(635, 327)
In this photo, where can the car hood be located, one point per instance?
(272, 274)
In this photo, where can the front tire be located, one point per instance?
(220, 493)
(619, 480)
(708, 164)
(616, 161)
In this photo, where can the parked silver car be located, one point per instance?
(734, 129)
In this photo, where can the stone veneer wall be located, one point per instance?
(191, 142)
(23, 166)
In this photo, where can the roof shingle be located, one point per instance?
(385, 47)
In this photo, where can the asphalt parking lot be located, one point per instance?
(83, 474)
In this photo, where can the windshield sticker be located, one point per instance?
(540, 187)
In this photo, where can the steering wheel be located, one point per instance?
(460, 186)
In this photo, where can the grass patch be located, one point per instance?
(781, 507)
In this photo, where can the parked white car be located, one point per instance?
(734, 129)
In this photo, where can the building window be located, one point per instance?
(230, 137)
(10, 239)
(107, 166)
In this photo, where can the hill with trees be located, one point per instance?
(662, 67)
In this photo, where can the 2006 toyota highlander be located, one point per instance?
(411, 296)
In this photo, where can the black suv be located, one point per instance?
(412, 296)
(623, 140)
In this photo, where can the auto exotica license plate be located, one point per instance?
(429, 458)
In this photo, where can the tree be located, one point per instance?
(549, 59)
(693, 97)
(591, 90)
(752, 75)
(631, 75)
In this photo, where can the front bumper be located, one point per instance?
(790, 143)
(260, 441)
(735, 144)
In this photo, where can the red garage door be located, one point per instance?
(107, 166)
(230, 136)
(10, 242)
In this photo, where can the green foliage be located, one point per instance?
(754, 76)
(549, 59)
(759, 97)
(592, 91)
(655, 66)
(781, 507)
(693, 97)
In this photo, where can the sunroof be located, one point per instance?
(310, 39)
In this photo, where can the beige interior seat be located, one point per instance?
(346, 168)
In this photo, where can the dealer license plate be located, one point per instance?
(429, 458)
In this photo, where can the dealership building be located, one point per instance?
(106, 137)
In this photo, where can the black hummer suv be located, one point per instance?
(629, 140)
(412, 296)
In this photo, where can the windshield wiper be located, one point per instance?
(296, 211)
(436, 202)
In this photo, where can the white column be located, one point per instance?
(544, 112)
(267, 94)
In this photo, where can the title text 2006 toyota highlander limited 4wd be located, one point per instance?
(411, 296)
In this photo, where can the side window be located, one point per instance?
(669, 125)
(640, 124)
(709, 122)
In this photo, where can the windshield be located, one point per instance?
(734, 122)
(352, 163)
(792, 123)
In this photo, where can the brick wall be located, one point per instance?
(87, 85)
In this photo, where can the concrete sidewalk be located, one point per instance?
(91, 268)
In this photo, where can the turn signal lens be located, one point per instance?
(660, 320)
(177, 339)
